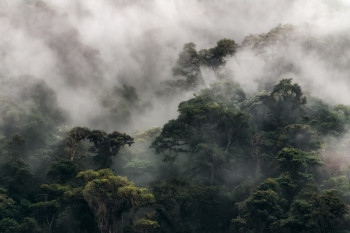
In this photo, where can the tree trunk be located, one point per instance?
(228, 141)
(258, 167)
(216, 72)
(49, 223)
(212, 175)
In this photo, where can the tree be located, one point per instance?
(111, 196)
(62, 207)
(261, 210)
(301, 136)
(340, 185)
(47, 210)
(215, 57)
(29, 225)
(296, 161)
(62, 171)
(295, 168)
(17, 177)
(328, 212)
(325, 119)
(73, 139)
(9, 225)
(299, 217)
(107, 146)
(287, 100)
(184, 206)
(104, 146)
(188, 65)
(288, 93)
(205, 130)
(227, 93)
(321, 213)
(269, 41)
(8, 206)
(190, 61)
(279, 108)
(16, 146)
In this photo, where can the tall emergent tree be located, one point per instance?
(104, 146)
(208, 131)
(111, 196)
(214, 58)
(188, 65)
(190, 61)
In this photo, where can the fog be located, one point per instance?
(266, 117)
(88, 51)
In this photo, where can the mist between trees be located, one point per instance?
(143, 131)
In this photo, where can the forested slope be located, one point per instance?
(268, 155)
(227, 163)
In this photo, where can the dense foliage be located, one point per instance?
(229, 162)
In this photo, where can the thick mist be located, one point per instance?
(233, 114)
(93, 54)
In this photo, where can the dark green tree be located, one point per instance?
(261, 210)
(209, 132)
(9, 225)
(296, 161)
(62, 171)
(29, 225)
(279, 108)
(214, 58)
(104, 146)
(184, 206)
(111, 196)
(188, 65)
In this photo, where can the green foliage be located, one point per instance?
(287, 93)
(188, 65)
(29, 119)
(29, 225)
(185, 206)
(110, 196)
(302, 137)
(326, 120)
(146, 224)
(190, 61)
(138, 167)
(344, 111)
(339, 184)
(281, 107)
(16, 177)
(261, 209)
(328, 210)
(227, 93)
(104, 146)
(16, 146)
(235, 163)
(208, 131)
(300, 218)
(320, 213)
(9, 225)
(215, 57)
(46, 212)
(294, 161)
(62, 171)
(265, 42)
(7, 205)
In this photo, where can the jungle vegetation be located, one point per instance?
(229, 162)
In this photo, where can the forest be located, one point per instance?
(225, 158)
